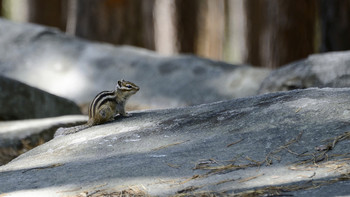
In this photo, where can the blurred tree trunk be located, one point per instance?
(164, 25)
(212, 29)
(235, 27)
(200, 27)
(187, 17)
(47, 13)
(1, 8)
(335, 25)
(279, 32)
(115, 21)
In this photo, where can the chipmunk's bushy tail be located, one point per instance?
(70, 130)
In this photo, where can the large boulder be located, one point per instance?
(20, 101)
(321, 70)
(79, 69)
(292, 143)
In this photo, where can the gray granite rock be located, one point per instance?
(287, 143)
(18, 136)
(20, 101)
(79, 69)
(321, 70)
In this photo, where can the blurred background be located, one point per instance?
(263, 33)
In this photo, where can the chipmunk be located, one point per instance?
(105, 106)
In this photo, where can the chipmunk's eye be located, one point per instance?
(128, 86)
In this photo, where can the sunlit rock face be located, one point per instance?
(291, 143)
(321, 70)
(78, 69)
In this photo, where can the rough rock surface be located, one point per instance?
(20, 101)
(19, 136)
(78, 69)
(287, 143)
(321, 70)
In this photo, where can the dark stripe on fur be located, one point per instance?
(94, 103)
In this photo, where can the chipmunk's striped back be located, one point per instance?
(99, 100)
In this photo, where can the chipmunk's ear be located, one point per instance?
(119, 85)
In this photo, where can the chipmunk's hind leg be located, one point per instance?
(105, 114)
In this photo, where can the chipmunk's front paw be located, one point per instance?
(126, 115)
(122, 115)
